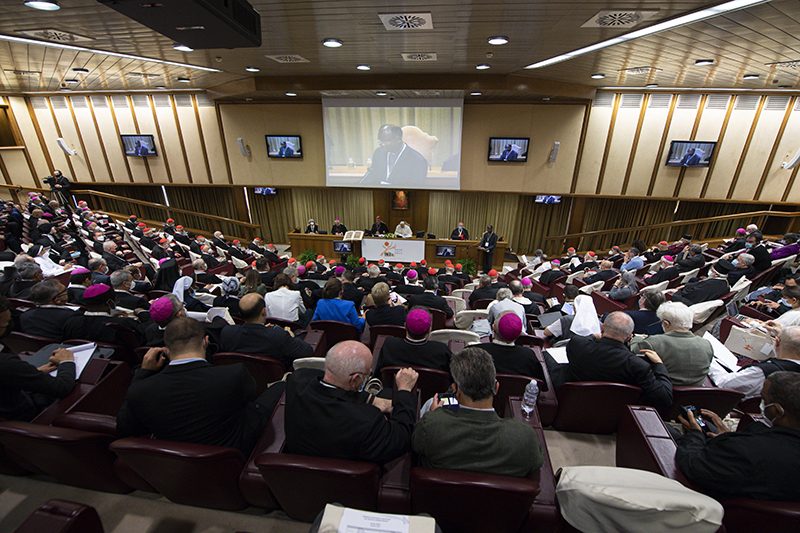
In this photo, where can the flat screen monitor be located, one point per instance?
(265, 191)
(139, 145)
(547, 199)
(690, 153)
(446, 251)
(342, 247)
(508, 149)
(284, 146)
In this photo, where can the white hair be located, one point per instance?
(747, 259)
(677, 314)
(503, 294)
(751, 228)
(373, 271)
(108, 245)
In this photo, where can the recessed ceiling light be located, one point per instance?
(483, 66)
(546, 99)
(682, 20)
(182, 47)
(380, 93)
(475, 93)
(598, 76)
(72, 81)
(64, 89)
(252, 69)
(651, 86)
(80, 69)
(184, 80)
(291, 94)
(750, 77)
(331, 42)
(703, 62)
(248, 99)
(363, 67)
(159, 87)
(43, 5)
(497, 40)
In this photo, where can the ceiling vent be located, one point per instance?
(791, 66)
(603, 99)
(334, 93)
(22, 73)
(407, 21)
(660, 101)
(288, 58)
(420, 57)
(718, 101)
(688, 101)
(641, 71)
(52, 34)
(777, 103)
(614, 18)
(143, 75)
(427, 93)
(746, 102)
(631, 100)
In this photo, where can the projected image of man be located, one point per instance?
(694, 156)
(286, 149)
(140, 149)
(394, 161)
(509, 153)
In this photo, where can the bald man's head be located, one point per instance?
(618, 326)
(789, 343)
(347, 365)
(251, 307)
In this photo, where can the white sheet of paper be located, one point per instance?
(195, 315)
(223, 312)
(82, 354)
(355, 521)
(559, 354)
(723, 355)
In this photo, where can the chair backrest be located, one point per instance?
(511, 385)
(436, 492)
(429, 382)
(703, 310)
(317, 363)
(62, 516)
(529, 340)
(389, 331)
(464, 319)
(589, 289)
(658, 287)
(303, 485)
(263, 368)
(456, 303)
(593, 406)
(439, 318)
(685, 277)
(190, 474)
(461, 293)
(282, 323)
(573, 276)
(18, 342)
(721, 401)
(741, 290)
(447, 335)
(336, 332)
(483, 303)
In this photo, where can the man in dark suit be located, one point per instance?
(328, 416)
(338, 228)
(487, 246)
(605, 273)
(201, 274)
(79, 279)
(162, 250)
(460, 233)
(667, 272)
(509, 154)
(122, 282)
(100, 271)
(257, 246)
(610, 359)
(92, 324)
(47, 318)
(711, 288)
(415, 349)
(255, 337)
(508, 357)
(411, 286)
(219, 241)
(311, 227)
(28, 275)
(285, 150)
(113, 261)
(485, 291)
(177, 395)
(132, 222)
(394, 162)
(379, 227)
(554, 274)
(429, 298)
(690, 258)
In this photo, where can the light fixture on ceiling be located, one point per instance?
(651, 86)
(363, 67)
(182, 47)
(332, 42)
(703, 62)
(475, 93)
(497, 40)
(64, 46)
(681, 20)
(80, 70)
(483, 66)
(252, 69)
(545, 99)
(159, 87)
(183, 79)
(291, 94)
(598, 76)
(72, 81)
(381, 93)
(750, 77)
(43, 5)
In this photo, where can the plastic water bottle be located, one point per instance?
(530, 397)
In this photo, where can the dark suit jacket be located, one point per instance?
(428, 299)
(204, 278)
(131, 301)
(407, 290)
(219, 243)
(702, 291)
(331, 422)
(600, 275)
(645, 322)
(410, 169)
(386, 315)
(210, 261)
(114, 262)
(24, 391)
(463, 236)
(610, 360)
(92, 327)
(690, 262)
(519, 360)
(75, 294)
(404, 352)
(271, 341)
(45, 321)
(194, 402)
(551, 276)
(762, 258)
(379, 229)
(665, 274)
(491, 239)
(482, 293)
(21, 289)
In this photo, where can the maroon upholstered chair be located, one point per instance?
(593, 406)
(62, 516)
(547, 404)
(302, 485)
(17, 342)
(470, 502)
(72, 457)
(389, 331)
(603, 304)
(190, 474)
(529, 340)
(721, 401)
(336, 332)
(511, 385)
(263, 368)
(251, 483)
(429, 382)
(481, 304)
(283, 323)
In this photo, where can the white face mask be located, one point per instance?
(763, 406)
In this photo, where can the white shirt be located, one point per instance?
(285, 304)
(403, 231)
(789, 318)
(497, 308)
(748, 381)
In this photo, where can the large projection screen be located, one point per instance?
(394, 144)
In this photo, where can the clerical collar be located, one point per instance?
(186, 361)
(495, 340)
(96, 313)
(486, 410)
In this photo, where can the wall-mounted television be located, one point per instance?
(508, 149)
(139, 145)
(284, 147)
(446, 250)
(342, 247)
(265, 191)
(547, 199)
(691, 153)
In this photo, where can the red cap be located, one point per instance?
(399, 265)
(162, 240)
(432, 271)
(448, 262)
(571, 249)
(235, 241)
(132, 216)
(320, 256)
(493, 273)
(141, 225)
(423, 262)
(292, 260)
(663, 243)
(170, 221)
(381, 261)
(310, 264)
(253, 264)
(332, 262)
(179, 227)
(362, 260)
(591, 254)
(270, 245)
(459, 266)
(413, 264)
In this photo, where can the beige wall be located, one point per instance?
(627, 139)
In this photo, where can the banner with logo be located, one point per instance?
(393, 250)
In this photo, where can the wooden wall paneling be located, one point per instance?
(787, 194)
(648, 146)
(763, 141)
(607, 149)
(203, 148)
(581, 142)
(660, 153)
(224, 143)
(708, 128)
(38, 130)
(746, 147)
(160, 136)
(628, 118)
(635, 144)
(181, 139)
(592, 157)
(123, 110)
(85, 154)
(692, 136)
(61, 135)
(99, 134)
(778, 177)
(23, 133)
(112, 113)
(4, 168)
(720, 138)
(680, 128)
(779, 136)
(548, 124)
(146, 124)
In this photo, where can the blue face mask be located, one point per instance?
(748, 245)
(75, 255)
(783, 301)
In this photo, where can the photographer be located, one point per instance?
(59, 186)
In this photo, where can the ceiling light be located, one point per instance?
(182, 47)
(252, 69)
(703, 62)
(184, 80)
(750, 77)
(72, 81)
(159, 87)
(598, 76)
(651, 86)
(483, 66)
(546, 99)
(655, 28)
(291, 94)
(330, 42)
(363, 67)
(475, 93)
(43, 5)
(497, 40)
(380, 93)
(80, 69)
(64, 46)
